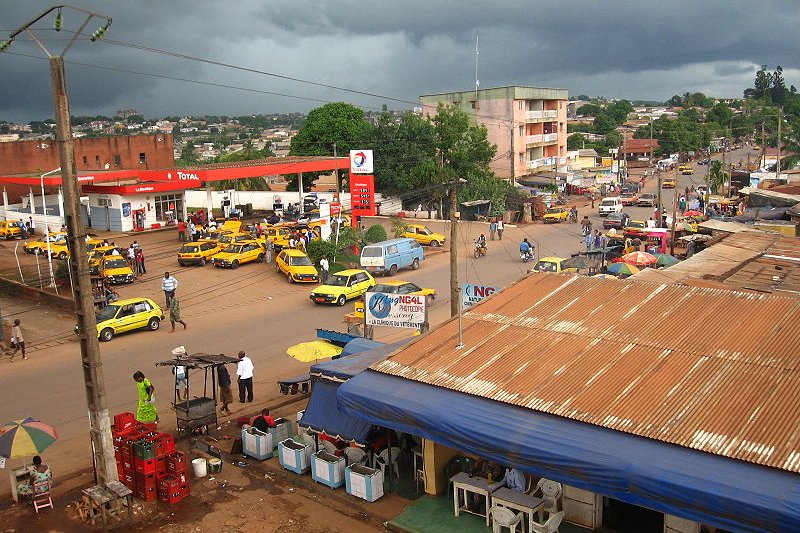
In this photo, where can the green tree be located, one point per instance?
(375, 233)
(716, 177)
(188, 156)
(588, 110)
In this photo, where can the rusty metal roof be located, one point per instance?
(708, 369)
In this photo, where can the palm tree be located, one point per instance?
(716, 177)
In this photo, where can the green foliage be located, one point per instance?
(716, 177)
(399, 226)
(318, 248)
(589, 110)
(375, 234)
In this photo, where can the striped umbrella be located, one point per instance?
(639, 258)
(25, 437)
(622, 268)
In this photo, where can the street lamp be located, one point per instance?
(99, 421)
(47, 225)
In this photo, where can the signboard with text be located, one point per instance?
(362, 195)
(395, 310)
(472, 294)
(361, 162)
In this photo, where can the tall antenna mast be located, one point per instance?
(477, 83)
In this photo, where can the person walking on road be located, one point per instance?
(175, 313)
(140, 267)
(500, 228)
(324, 267)
(168, 285)
(17, 340)
(146, 406)
(244, 371)
(225, 393)
(492, 229)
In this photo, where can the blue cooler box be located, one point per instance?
(327, 469)
(294, 456)
(256, 444)
(363, 482)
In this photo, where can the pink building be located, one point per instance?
(528, 125)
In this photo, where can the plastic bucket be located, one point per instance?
(200, 467)
(215, 466)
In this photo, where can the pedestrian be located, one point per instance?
(500, 228)
(168, 285)
(596, 239)
(132, 258)
(324, 267)
(225, 393)
(23, 233)
(591, 197)
(140, 266)
(269, 246)
(181, 231)
(193, 231)
(175, 312)
(244, 371)
(181, 382)
(32, 225)
(135, 244)
(492, 228)
(17, 340)
(146, 404)
(588, 239)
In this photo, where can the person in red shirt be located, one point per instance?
(263, 421)
(181, 231)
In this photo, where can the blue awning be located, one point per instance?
(345, 368)
(358, 345)
(695, 485)
(323, 416)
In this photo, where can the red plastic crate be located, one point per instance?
(176, 463)
(173, 491)
(164, 444)
(146, 494)
(124, 421)
(129, 480)
(161, 466)
(145, 466)
(146, 480)
(128, 464)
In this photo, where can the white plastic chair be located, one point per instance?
(355, 456)
(41, 496)
(503, 517)
(387, 457)
(309, 440)
(549, 526)
(551, 493)
(329, 447)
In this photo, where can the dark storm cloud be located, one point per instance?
(643, 49)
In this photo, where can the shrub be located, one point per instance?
(398, 226)
(375, 234)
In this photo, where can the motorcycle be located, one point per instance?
(586, 230)
(480, 250)
(526, 256)
(573, 217)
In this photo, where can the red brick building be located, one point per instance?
(146, 152)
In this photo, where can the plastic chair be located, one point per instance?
(41, 496)
(549, 526)
(355, 456)
(388, 457)
(503, 517)
(551, 493)
(329, 447)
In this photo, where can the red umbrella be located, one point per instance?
(639, 258)
(693, 214)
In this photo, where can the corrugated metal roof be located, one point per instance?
(714, 370)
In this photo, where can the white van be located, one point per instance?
(610, 205)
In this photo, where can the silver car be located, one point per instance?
(647, 199)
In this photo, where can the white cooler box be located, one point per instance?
(363, 482)
(281, 431)
(294, 456)
(327, 469)
(256, 444)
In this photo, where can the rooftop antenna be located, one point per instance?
(477, 53)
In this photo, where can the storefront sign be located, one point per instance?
(472, 294)
(395, 310)
(361, 162)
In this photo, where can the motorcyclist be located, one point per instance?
(525, 248)
(481, 242)
(586, 225)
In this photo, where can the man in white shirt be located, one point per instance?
(323, 263)
(244, 371)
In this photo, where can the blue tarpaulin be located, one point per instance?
(323, 416)
(352, 365)
(710, 489)
(358, 345)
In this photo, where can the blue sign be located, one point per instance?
(472, 294)
(126, 209)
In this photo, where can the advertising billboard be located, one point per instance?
(472, 294)
(395, 310)
(361, 162)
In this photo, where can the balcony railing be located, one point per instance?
(541, 138)
(550, 137)
(541, 115)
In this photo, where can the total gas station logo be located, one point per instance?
(361, 162)
(359, 159)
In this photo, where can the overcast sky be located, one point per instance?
(398, 50)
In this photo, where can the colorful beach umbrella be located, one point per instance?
(666, 260)
(639, 258)
(306, 352)
(25, 438)
(622, 268)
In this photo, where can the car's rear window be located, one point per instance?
(372, 251)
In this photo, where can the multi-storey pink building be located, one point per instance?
(528, 125)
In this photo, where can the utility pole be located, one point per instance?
(99, 421)
(778, 162)
(455, 291)
(763, 148)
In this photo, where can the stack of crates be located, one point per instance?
(145, 457)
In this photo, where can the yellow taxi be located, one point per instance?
(238, 253)
(668, 183)
(342, 286)
(686, 170)
(9, 229)
(279, 235)
(634, 228)
(551, 264)
(296, 266)
(233, 238)
(405, 287)
(127, 315)
(197, 252)
(115, 269)
(423, 235)
(556, 214)
(61, 251)
(40, 246)
(99, 252)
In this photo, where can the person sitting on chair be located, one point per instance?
(263, 421)
(514, 479)
(39, 480)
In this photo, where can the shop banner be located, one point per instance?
(472, 294)
(395, 310)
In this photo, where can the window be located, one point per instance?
(520, 105)
(85, 161)
(522, 157)
(97, 160)
(392, 249)
(118, 160)
(521, 131)
(142, 158)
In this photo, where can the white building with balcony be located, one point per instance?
(528, 125)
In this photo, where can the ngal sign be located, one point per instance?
(472, 294)
(395, 310)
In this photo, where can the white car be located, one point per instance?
(610, 205)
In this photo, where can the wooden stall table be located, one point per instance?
(109, 498)
(463, 482)
(518, 501)
(17, 475)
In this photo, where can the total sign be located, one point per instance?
(472, 294)
(361, 161)
(395, 310)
